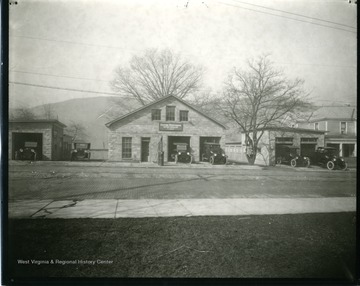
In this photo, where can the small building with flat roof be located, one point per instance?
(38, 139)
(272, 141)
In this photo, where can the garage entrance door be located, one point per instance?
(307, 146)
(26, 142)
(348, 150)
(207, 140)
(172, 146)
(282, 141)
(307, 149)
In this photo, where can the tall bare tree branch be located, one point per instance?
(259, 97)
(157, 74)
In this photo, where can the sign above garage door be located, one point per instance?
(170, 127)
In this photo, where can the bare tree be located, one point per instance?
(22, 113)
(77, 131)
(48, 111)
(157, 74)
(260, 97)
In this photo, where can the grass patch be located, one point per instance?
(271, 246)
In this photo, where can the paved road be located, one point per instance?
(79, 182)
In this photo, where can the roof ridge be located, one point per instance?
(157, 101)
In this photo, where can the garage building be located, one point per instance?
(142, 134)
(273, 139)
(45, 137)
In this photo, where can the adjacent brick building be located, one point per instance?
(272, 140)
(142, 134)
(45, 137)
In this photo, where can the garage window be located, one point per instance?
(308, 140)
(316, 126)
(156, 114)
(184, 115)
(343, 127)
(284, 140)
(170, 113)
(126, 147)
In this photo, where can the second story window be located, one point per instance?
(184, 115)
(343, 127)
(156, 114)
(316, 126)
(170, 113)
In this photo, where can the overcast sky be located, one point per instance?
(76, 45)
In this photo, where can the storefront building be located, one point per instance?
(143, 134)
(37, 140)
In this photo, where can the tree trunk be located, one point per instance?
(251, 158)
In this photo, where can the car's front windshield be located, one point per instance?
(331, 152)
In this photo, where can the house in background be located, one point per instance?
(339, 123)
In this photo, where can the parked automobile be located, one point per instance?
(291, 155)
(81, 151)
(182, 153)
(25, 154)
(213, 153)
(328, 157)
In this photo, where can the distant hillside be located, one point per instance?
(92, 113)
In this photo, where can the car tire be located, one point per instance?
(345, 166)
(307, 162)
(330, 165)
(212, 161)
(278, 161)
(225, 161)
(293, 163)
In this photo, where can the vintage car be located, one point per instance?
(328, 157)
(25, 154)
(81, 151)
(290, 155)
(182, 153)
(213, 153)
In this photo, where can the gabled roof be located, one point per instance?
(148, 106)
(333, 113)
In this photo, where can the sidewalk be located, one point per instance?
(113, 208)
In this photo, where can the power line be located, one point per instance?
(258, 11)
(72, 43)
(300, 15)
(60, 76)
(63, 88)
(314, 64)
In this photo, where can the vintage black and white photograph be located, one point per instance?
(182, 139)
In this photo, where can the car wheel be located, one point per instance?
(225, 161)
(344, 167)
(330, 165)
(212, 161)
(278, 161)
(307, 162)
(293, 163)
